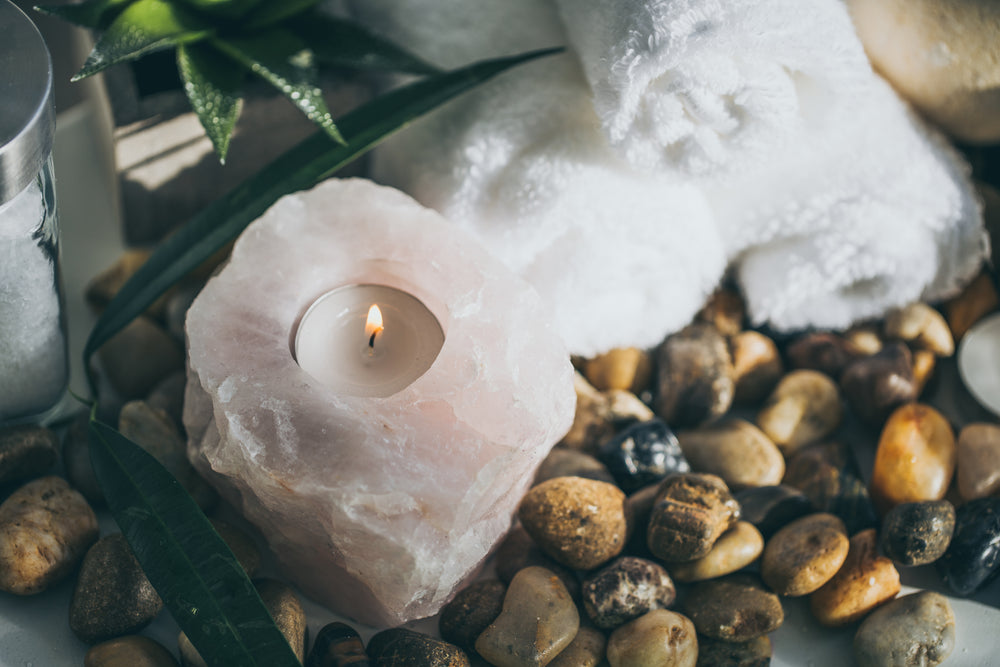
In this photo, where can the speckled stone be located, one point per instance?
(399, 647)
(865, 581)
(826, 474)
(26, 452)
(130, 651)
(735, 608)
(112, 597)
(579, 522)
(820, 351)
(586, 650)
(876, 385)
(626, 589)
(757, 366)
(771, 508)
(977, 461)
(735, 450)
(691, 511)
(470, 612)
(973, 557)
(642, 454)
(565, 462)
(915, 459)
(695, 376)
(753, 653)
(917, 533)
(804, 555)
(803, 408)
(661, 637)
(517, 551)
(538, 620)
(921, 326)
(735, 549)
(916, 630)
(626, 368)
(337, 645)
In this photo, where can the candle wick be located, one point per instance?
(371, 341)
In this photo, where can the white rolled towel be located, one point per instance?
(698, 86)
(621, 258)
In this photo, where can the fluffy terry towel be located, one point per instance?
(620, 257)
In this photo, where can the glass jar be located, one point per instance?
(33, 358)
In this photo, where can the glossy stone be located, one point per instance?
(661, 637)
(757, 366)
(876, 385)
(586, 650)
(566, 462)
(820, 351)
(917, 533)
(804, 555)
(470, 612)
(627, 368)
(924, 363)
(130, 651)
(915, 459)
(626, 589)
(916, 630)
(735, 549)
(828, 477)
(517, 551)
(973, 557)
(26, 452)
(538, 620)
(770, 508)
(736, 608)
(691, 511)
(921, 326)
(753, 653)
(642, 454)
(337, 645)
(865, 581)
(695, 376)
(579, 522)
(978, 461)
(735, 450)
(804, 407)
(399, 647)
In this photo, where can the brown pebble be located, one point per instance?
(977, 461)
(579, 522)
(626, 407)
(45, 529)
(820, 351)
(915, 458)
(753, 653)
(168, 395)
(725, 310)
(626, 589)
(735, 450)
(804, 555)
(663, 638)
(924, 362)
(130, 651)
(538, 620)
(399, 647)
(921, 326)
(627, 368)
(592, 419)
(977, 299)
(76, 459)
(865, 581)
(337, 645)
(803, 408)
(26, 452)
(139, 356)
(735, 549)
(863, 340)
(565, 462)
(691, 511)
(757, 366)
(241, 544)
(518, 551)
(874, 386)
(695, 376)
(736, 608)
(470, 612)
(586, 650)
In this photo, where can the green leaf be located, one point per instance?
(212, 83)
(284, 61)
(226, 8)
(344, 43)
(269, 13)
(91, 14)
(301, 167)
(145, 26)
(189, 565)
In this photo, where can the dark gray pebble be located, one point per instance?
(337, 645)
(736, 608)
(518, 551)
(643, 454)
(973, 557)
(26, 452)
(716, 653)
(399, 647)
(770, 508)
(470, 612)
(917, 533)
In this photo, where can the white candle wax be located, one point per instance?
(334, 344)
(979, 362)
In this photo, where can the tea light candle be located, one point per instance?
(381, 460)
(979, 362)
(367, 340)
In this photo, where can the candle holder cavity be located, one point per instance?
(33, 361)
(379, 504)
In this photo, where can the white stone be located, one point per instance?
(377, 507)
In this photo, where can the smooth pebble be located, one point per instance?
(130, 651)
(916, 630)
(865, 581)
(876, 385)
(400, 647)
(757, 366)
(973, 556)
(977, 461)
(805, 554)
(642, 454)
(736, 548)
(804, 407)
(736, 608)
(735, 450)
(470, 612)
(917, 533)
(26, 452)
(337, 645)
(662, 638)
(695, 379)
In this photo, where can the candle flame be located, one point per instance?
(374, 324)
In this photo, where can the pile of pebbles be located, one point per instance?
(703, 483)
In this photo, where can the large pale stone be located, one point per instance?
(378, 507)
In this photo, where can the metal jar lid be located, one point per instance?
(27, 117)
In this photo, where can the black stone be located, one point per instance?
(399, 647)
(337, 645)
(973, 557)
(770, 508)
(827, 476)
(643, 454)
(918, 533)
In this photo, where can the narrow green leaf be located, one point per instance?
(344, 43)
(269, 13)
(284, 61)
(189, 565)
(301, 167)
(212, 83)
(145, 26)
(91, 14)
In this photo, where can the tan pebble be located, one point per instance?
(915, 458)
(538, 620)
(586, 650)
(916, 630)
(45, 529)
(865, 581)
(757, 366)
(579, 522)
(689, 514)
(924, 362)
(863, 340)
(803, 408)
(737, 608)
(977, 299)
(694, 376)
(592, 419)
(129, 651)
(735, 549)
(978, 461)
(805, 554)
(921, 326)
(735, 450)
(661, 637)
(625, 406)
(140, 356)
(627, 368)
(724, 309)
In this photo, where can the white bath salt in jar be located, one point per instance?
(33, 364)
